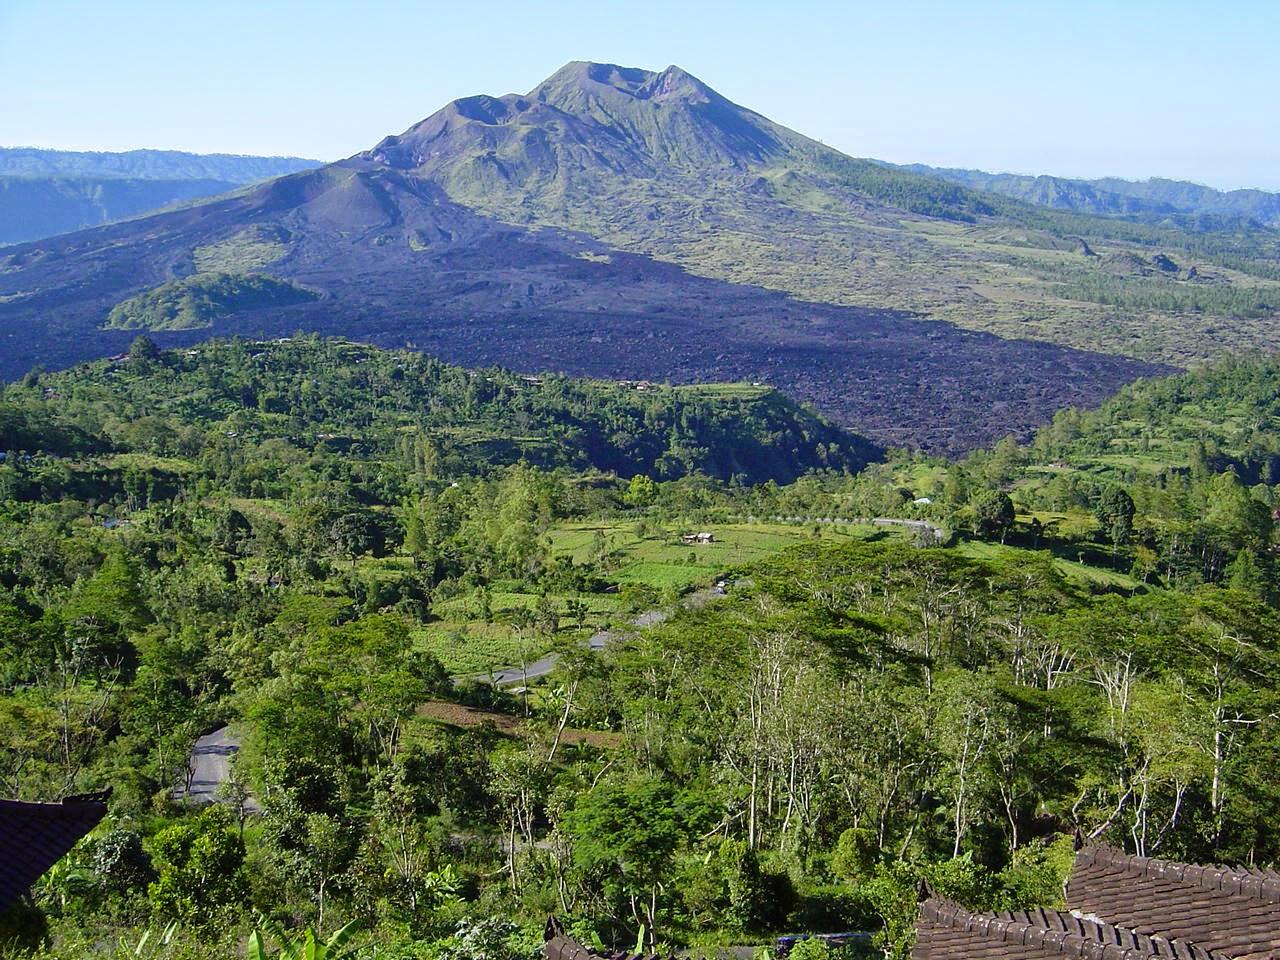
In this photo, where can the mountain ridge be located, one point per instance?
(47, 192)
(1118, 196)
(147, 164)
(747, 200)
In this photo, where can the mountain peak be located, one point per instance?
(677, 82)
(585, 115)
(585, 76)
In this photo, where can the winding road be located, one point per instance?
(210, 761)
(507, 676)
(210, 767)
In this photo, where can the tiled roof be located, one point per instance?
(947, 931)
(1232, 910)
(35, 836)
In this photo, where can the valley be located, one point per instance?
(48, 192)
(604, 523)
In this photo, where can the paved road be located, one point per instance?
(510, 676)
(211, 766)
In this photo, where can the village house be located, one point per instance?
(35, 836)
(1118, 907)
(1124, 907)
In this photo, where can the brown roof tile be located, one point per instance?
(1232, 910)
(948, 931)
(35, 836)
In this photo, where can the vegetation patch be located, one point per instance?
(194, 302)
(247, 251)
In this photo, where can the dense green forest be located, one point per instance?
(424, 416)
(876, 668)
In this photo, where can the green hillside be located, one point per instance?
(403, 406)
(196, 301)
(1225, 417)
(475, 641)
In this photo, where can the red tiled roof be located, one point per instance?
(1232, 910)
(947, 931)
(35, 836)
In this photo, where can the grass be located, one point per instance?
(467, 644)
(473, 646)
(661, 560)
(246, 251)
(1073, 571)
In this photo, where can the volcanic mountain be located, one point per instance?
(612, 222)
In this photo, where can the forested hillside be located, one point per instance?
(423, 414)
(1155, 200)
(745, 684)
(1224, 415)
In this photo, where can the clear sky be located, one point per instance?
(1081, 88)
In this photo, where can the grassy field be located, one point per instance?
(660, 560)
(651, 567)
(1073, 571)
(475, 647)
(467, 643)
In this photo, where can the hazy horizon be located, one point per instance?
(1070, 90)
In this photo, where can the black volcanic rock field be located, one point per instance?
(394, 259)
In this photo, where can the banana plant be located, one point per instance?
(146, 948)
(306, 946)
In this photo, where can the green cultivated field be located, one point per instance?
(649, 571)
(661, 561)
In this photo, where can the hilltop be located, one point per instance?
(346, 396)
(1155, 200)
(1223, 417)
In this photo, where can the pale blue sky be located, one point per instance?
(1180, 89)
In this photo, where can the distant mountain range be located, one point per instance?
(624, 223)
(1113, 197)
(47, 192)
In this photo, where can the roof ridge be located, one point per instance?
(59, 810)
(1060, 931)
(1254, 882)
